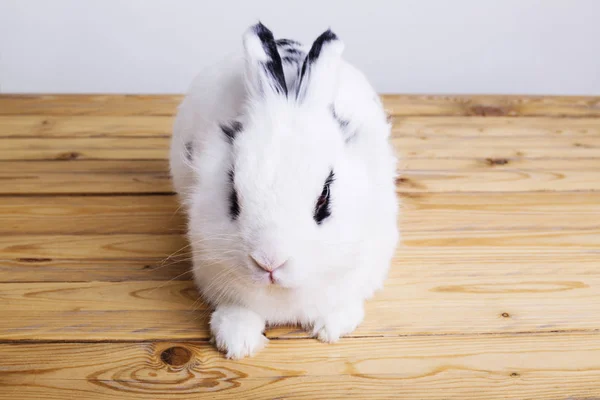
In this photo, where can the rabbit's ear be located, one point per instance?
(264, 71)
(319, 74)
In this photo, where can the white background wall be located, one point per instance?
(412, 46)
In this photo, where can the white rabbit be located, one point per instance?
(282, 161)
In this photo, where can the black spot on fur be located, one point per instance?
(189, 151)
(322, 206)
(349, 134)
(273, 67)
(343, 122)
(231, 130)
(234, 206)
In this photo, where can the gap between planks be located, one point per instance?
(395, 104)
(151, 214)
(136, 127)
(446, 291)
(415, 175)
(407, 147)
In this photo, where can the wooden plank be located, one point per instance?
(97, 296)
(60, 215)
(443, 290)
(112, 257)
(152, 246)
(45, 269)
(122, 176)
(94, 262)
(100, 105)
(498, 181)
(539, 367)
(497, 175)
(484, 147)
(417, 175)
(41, 126)
(77, 168)
(493, 211)
(506, 238)
(74, 126)
(100, 325)
(91, 215)
(494, 293)
(90, 246)
(424, 105)
(508, 128)
(157, 148)
(493, 105)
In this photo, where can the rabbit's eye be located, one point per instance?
(322, 210)
(323, 197)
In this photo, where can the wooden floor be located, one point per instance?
(494, 294)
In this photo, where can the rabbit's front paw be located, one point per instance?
(331, 327)
(237, 331)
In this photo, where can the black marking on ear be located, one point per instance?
(323, 206)
(231, 130)
(189, 150)
(349, 134)
(273, 67)
(315, 51)
(234, 206)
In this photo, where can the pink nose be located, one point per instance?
(265, 264)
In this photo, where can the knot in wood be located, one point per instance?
(484, 110)
(176, 356)
(496, 161)
(70, 155)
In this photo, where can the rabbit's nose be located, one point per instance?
(266, 263)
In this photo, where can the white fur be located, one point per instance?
(281, 159)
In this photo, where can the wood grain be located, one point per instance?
(92, 126)
(84, 177)
(59, 215)
(493, 293)
(461, 367)
(158, 268)
(395, 104)
(45, 269)
(499, 211)
(497, 175)
(498, 147)
(117, 246)
(157, 148)
(474, 290)
(492, 127)
(416, 176)
(100, 105)
(492, 105)
(152, 148)
(92, 215)
(69, 126)
(151, 246)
